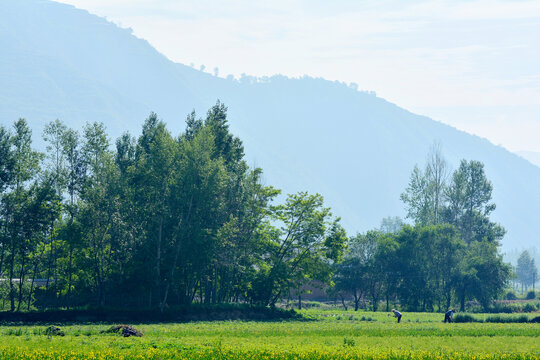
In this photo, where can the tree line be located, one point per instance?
(450, 254)
(158, 221)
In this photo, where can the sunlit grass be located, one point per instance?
(329, 335)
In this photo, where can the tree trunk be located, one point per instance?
(343, 303)
(11, 271)
(70, 272)
(21, 282)
(462, 307)
(32, 286)
(158, 260)
(2, 259)
(49, 268)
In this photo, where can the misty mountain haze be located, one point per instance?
(533, 157)
(307, 134)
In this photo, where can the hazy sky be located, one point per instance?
(472, 64)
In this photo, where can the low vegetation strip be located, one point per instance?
(184, 314)
(226, 354)
(467, 318)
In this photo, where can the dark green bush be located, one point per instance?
(506, 307)
(510, 296)
(507, 319)
(465, 318)
(530, 295)
(348, 342)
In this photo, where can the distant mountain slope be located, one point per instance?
(353, 147)
(533, 157)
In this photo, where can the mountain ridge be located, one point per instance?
(532, 156)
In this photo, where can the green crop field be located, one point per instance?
(325, 335)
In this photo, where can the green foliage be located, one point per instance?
(507, 319)
(526, 271)
(163, 221)
(322, 338)
(463, 261)
(424, 196)
(158, 222)
(300, 250)
(465, 318)
(469, 207)
(499, 318)
(369, 268)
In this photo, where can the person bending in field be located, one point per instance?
(397, 314)
(449, 315)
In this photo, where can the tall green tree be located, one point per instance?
(197, 200)
(437, 175)
(469, 204)
(98, 209)
(299, 249)
(53, 134)
(26, 163)
(368, 270)
(6, 159)
(424, 195)
(526, 270)
(484, 274)
(6, 174)
(153, 175)
(75, 171)
(428, 258)
(391, 225)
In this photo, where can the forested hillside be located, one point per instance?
(308, 134)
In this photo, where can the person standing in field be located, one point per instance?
(397, 314)
(449, 315)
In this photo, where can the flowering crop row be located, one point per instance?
(230, 354)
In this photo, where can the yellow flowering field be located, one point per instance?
(330, 335)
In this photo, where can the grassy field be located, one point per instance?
(327, 335)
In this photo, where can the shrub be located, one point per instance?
(507, 319)
(530, 295)
(54, 331)
(465, 318)
(348, 342)
(506, 307)
(510, 296)
(125, 330)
